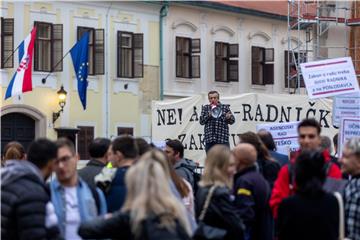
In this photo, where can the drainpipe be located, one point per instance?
(163, 13)
(107, 75)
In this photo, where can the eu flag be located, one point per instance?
(79, 55)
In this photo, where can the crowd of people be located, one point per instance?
(131, 189)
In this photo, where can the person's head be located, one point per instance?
(42, 153)
(254, 139)
(245, 156)
(98, 149)
(310, 172)
(350, 159)
(335, 142)
(219, 167)
(66, 162)
(149, 194)
(123, 150)
(309, 134)
(267, 139)
(14, 151)
(142, 145)
(174, 150)
(213, 97)
(325, 143)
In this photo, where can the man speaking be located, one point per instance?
(216, 117)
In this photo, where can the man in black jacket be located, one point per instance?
(25, 199)
(97, 149)
(252, 194)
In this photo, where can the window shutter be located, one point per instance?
(233, 75)
(268, 74)
(7, 42)
(138, 41)
(195, 66)
(218, 61)
(85, 137)
(269, 54)
(57, 47)
(178, 57)
(195, 45)
(286, 68)
(99, 52)
(233, 50)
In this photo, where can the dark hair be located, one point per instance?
(310, 122)
(41, 152)
(142, 145)
(310, 173)
(65, 142)
(325, 143)
(254, 139)
(177, 146)
(14, 150)
(335, 140)
(212, 92)
(99, 147)
(126, 145)
(267, 139)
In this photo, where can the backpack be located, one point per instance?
(196, 177)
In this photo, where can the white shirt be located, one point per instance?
(72, 214)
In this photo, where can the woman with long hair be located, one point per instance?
(13, 151)
(150, 211)
(217, 179)
(268, 167)
(311, 213)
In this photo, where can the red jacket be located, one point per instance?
(281, 188)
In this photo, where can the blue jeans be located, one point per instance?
(211, 144)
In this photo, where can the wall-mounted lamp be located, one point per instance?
(62, 100)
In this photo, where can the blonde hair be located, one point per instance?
(216, 165)
(14, 151)
(149, 193)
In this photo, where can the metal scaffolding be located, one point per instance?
(308, 26)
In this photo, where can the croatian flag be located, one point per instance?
(21, 81)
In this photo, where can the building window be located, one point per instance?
(84, 138)
(48, 47)
(262, 66)
(226, 63)
(187, 57)
(293, 56)
(7, 42)
(130, 55)
(125, 131)
(96, 49)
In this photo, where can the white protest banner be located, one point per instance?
(350, 127)
(285, 135)
(329, 77)
(179, 119)
(346, 106)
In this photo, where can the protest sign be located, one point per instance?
(285, 135)
(350, 127)
(346, 106)
(179, 119)
(330, 77)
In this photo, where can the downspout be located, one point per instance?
(163, 13)
(107, 80)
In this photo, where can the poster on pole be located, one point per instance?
(285, 135)
(330, 77)
(350, 127)
(346, 106)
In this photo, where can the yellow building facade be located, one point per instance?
(123, 77)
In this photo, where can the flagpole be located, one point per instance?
(12, 54)
(52, 69)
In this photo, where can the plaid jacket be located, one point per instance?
(352, 208)
(216, 129)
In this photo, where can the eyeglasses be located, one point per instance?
(64, 159)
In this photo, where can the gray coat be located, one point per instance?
(88, 173)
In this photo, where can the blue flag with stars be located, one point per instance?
(79, 55)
